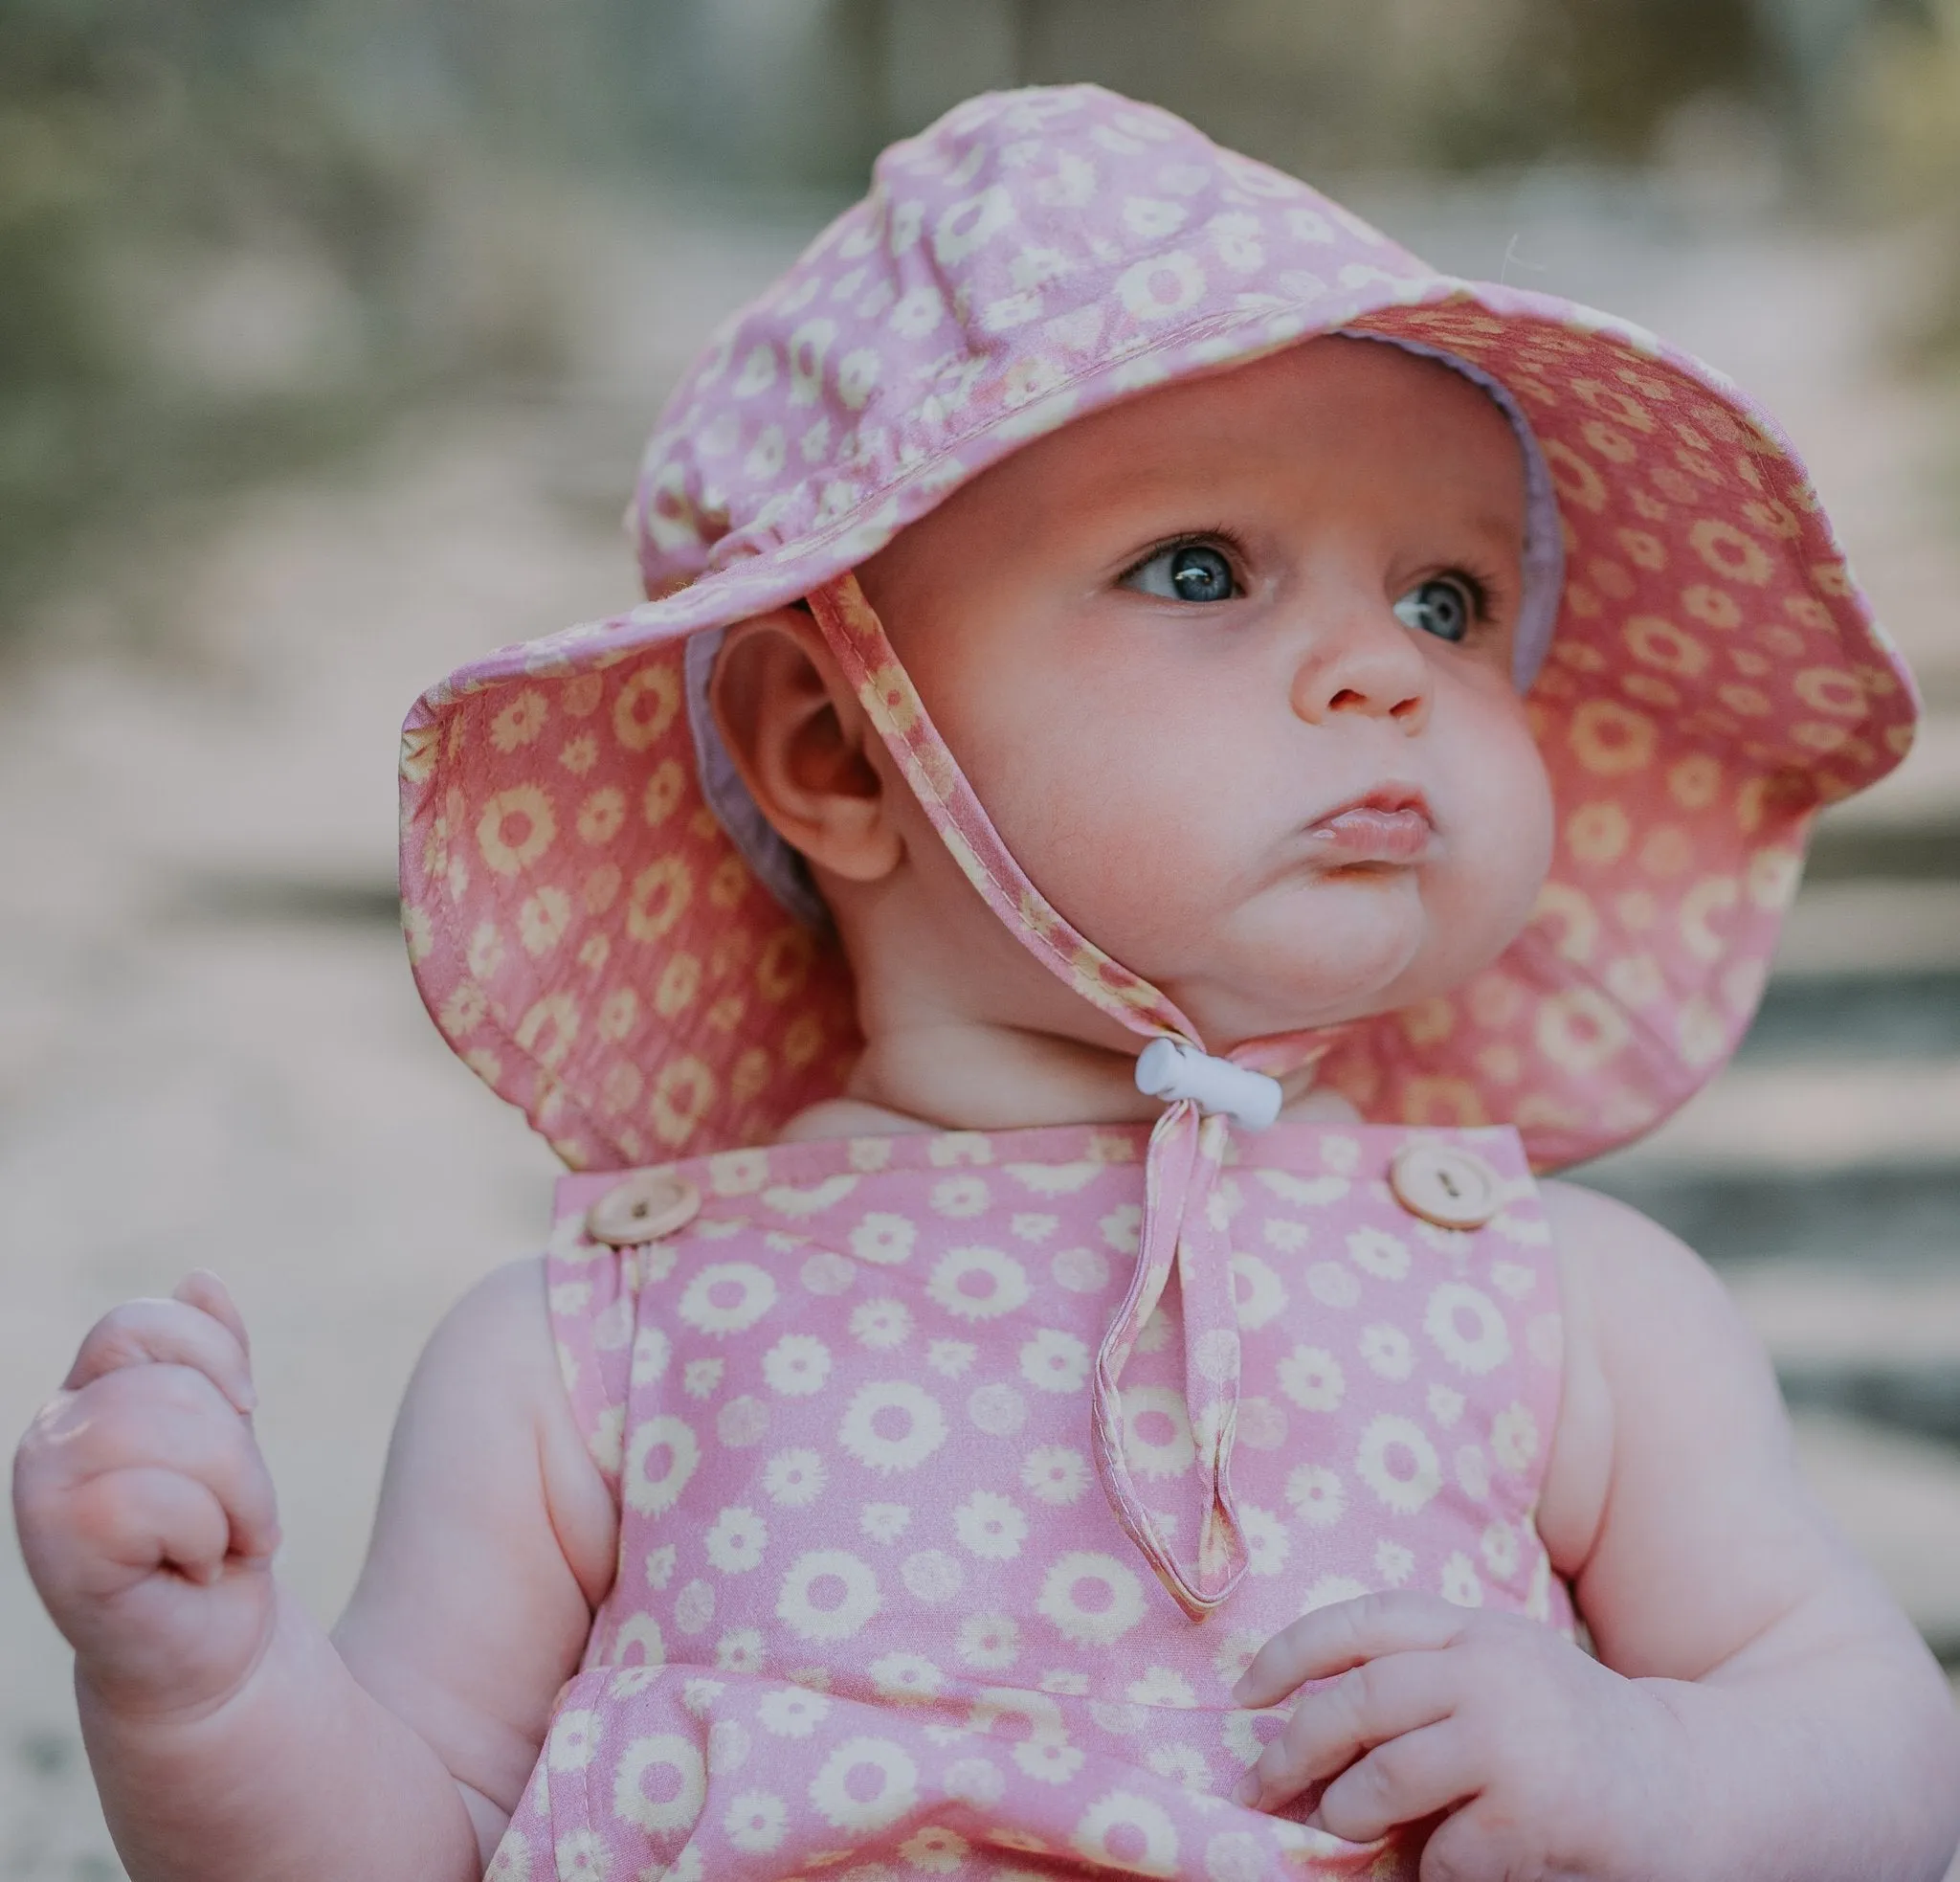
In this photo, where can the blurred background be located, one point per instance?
(328, 333)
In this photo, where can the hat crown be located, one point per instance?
(1022, 238)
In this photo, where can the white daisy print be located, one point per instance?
(960, 1198)
(1473, 1473)
(1333, 1284)
(661, 1456)
(693, 1607)
(1056, 1474)
(827, 1273)
(652, 1349)
(1387, 1350)
(998, 1409)
(1514, 1438)
(1459, 1582)
(1499, 1547)
(1157, 1431)
(735, 1541)
(990, 1526)
(1398, 1464)
(827, 1595)
(1377, 1252)
(1235, 1653)
(1161, 1686)
(755, 1821)
(1445, 1405)
(1312, 1377)
(884, 1522)
(1123, 1228)
(989, 1641)
(1148, 1844)
(882, 1324)
(1467, 1329)
(845, 1796)
(729, 1743)
(1261, 1424)
(1394, 1562)
(978, 1284)
(932, 1575)
(728, 1297)
(661, 1565)
(1090, 1598)
(1318, 1496)
(1185, 1764)
(884, 1239)
(892, 1425)
(1055, 1361)
(794, 1478)
(1050, 1760)
(581, 1857)
(1154, 1334)
(1285, 1236)
(935, 1850)
(742, 1422)
(698, 1377)
(1266, 1540)
(950, 1357)
(975, 1781)
(574, 1737)
(1081, 1270)
(797, 1365)
(791, 1712)
(906, 1677)
(1033, 1227)
(1257, 1290)
(739, 1651)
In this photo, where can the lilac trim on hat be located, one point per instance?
(1543, 564)
(786, 875)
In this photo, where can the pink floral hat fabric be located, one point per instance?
(595, 946)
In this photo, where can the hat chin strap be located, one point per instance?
(1204, 1095)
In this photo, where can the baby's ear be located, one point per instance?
(803, 746)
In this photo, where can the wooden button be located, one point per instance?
(1451, 1187)
(645, 1206)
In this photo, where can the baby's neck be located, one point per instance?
(954, 1076)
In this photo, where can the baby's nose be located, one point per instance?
(1371, 667)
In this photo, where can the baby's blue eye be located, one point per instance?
(1191, 571)
(1444, 605)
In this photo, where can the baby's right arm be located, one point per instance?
(230, 1737)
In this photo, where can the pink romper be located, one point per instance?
(873, 1615)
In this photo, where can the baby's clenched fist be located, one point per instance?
(147, 1514)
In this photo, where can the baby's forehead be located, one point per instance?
(1312, 411)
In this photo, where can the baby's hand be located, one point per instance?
(1548, 1763)
(146, 1511)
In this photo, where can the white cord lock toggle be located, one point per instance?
(1170, 1070)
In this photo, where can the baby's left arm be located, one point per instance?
(1760, 1712)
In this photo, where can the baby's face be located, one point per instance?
(1230, 667)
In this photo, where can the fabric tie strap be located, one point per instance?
(1183, 1230)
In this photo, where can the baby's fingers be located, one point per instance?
(1338, 1722)
(1417, 1776)
(164, 1418)
(199, 1328)
(1329, 1639)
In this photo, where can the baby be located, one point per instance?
(1174, 758)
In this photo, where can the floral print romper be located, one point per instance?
(873, 1615)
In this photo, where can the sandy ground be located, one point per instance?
(210, 1051)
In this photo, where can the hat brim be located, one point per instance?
(591, 942)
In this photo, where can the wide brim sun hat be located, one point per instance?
(594, 941)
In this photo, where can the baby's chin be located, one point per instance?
(1330, 973)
